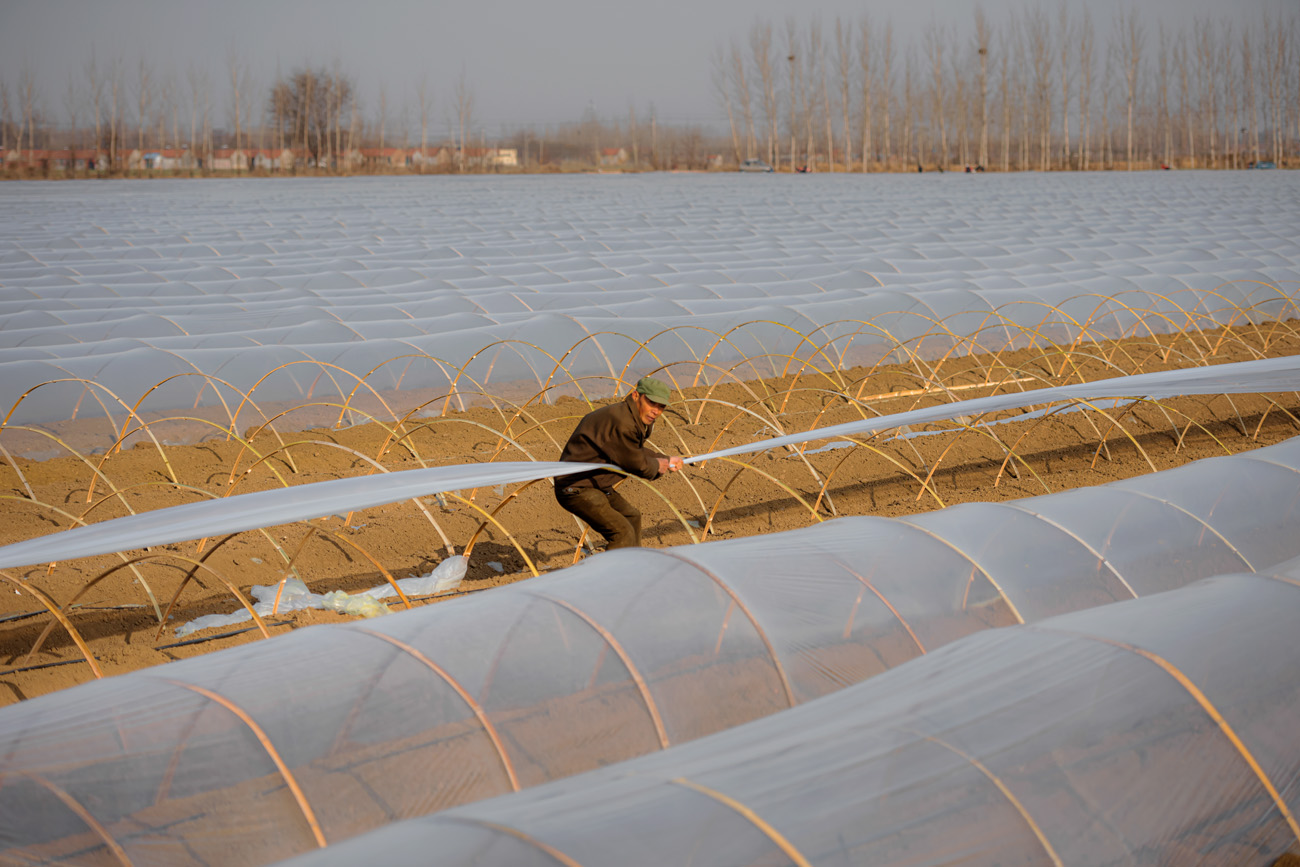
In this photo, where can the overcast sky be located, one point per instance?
(527, 61)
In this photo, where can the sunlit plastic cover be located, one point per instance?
(261, 752)
(1154, 731)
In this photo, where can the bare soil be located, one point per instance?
(108, 605)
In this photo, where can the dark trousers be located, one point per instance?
(608, 514)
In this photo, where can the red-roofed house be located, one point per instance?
(613, 156)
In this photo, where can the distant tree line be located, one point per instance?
(1040, 90)
(1037, 91)
(137, 119)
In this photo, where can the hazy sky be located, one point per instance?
(534, 62)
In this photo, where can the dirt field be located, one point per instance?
(762, 493)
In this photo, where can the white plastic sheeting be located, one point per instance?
(302, 502)
(270, 508)
(256, 753)
(221, 282)
(1155, 731)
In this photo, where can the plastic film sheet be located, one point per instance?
(260, 752)
(269, 508)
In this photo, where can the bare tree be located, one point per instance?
(354, 121)
(464, 99)
(963, 81)
(166, 96)
(1066, 36)
(309, 105)
(1038, 30)
(1131, 37)
(633, 133)
(29, 97)
(1233, 87)
(199, 95)
(238, 73)
(1107, 83)
(175, 112)
(982, 41)
(422, 96)
(143, 95)
(887, 87)
(1163, 117)
(1248, 94)
(340, 99)
(383, 113)
(866, 67)
(744, 97)
(1286, 52)
(1205, 63)
(760, 48)
(207, 143)
(844, 63)
(404, 121)
(1021, 83)
(72, 102)
(792, 82)
(1007, 99)
(654, 137)
(1085, 87)
(911, 137)
(95, 83)
(1222, 80)
(276, 109)
(936, 39)
(4, 117)
(1185, 96)
(958, 109)
(814, 90)
(1278, 60)
(722, 90)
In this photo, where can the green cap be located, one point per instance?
(654, 389)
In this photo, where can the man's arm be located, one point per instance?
(627, 453)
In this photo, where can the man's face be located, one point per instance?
(647, 409)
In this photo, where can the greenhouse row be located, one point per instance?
(271, 750)
(1155, 731)
(302, 293)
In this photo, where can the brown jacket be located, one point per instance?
(610, 435)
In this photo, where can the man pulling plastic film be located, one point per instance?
(615, 434)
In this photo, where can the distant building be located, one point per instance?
(45, 159)
(169, 159)
(430, 157)
(384, 157)
(228, 160)
(491, 157)
(613, 156)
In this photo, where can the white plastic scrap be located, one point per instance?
(296, 597)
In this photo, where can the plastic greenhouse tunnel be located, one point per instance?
(266, 751)
(1150, 731)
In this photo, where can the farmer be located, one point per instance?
(615, 434)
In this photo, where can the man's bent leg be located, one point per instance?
(629, 512)
(601, 514)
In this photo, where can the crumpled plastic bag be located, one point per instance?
(295, 597)
(361, 605)
(446, 577)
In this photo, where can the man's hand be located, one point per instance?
(670, 465)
